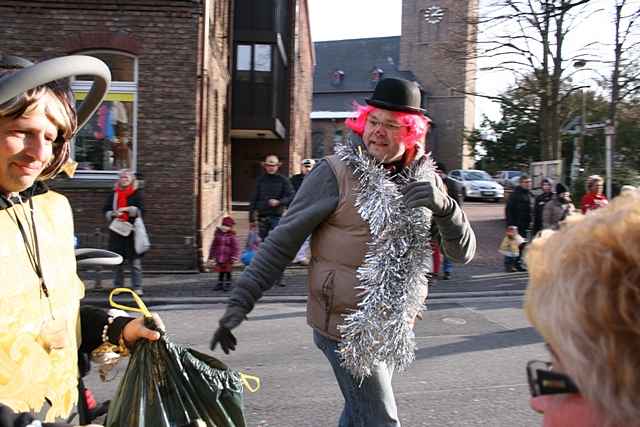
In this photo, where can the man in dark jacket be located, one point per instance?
(296, 180)
(538, 207)
(273, 194)
(385, 150)
(519, 209)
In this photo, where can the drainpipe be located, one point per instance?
(201, 134)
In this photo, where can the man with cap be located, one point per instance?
(296, 180)
(272, 195)
(41, 292)
(386, 148)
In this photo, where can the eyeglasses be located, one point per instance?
(391, 127)
(543, 380)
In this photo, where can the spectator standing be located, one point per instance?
(510, 248)
(558, 209)
(454, 190)
(538, 206)
(225, 251)
(594, 199)
(519, 212)
(304, 254)
(124, 205)
(296, 180)
(272, 195)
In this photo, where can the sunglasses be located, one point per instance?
(543, 380)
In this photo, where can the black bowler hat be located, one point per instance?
(396, 95)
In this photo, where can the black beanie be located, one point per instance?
(560, 188)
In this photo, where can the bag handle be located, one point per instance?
(246, 380)
(142, 308)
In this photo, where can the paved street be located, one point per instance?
(474, 343)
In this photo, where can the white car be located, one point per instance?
(477, 184)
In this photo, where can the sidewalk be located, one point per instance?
(482, 277)
(197, 288)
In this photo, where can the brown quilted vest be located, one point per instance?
(338, 247)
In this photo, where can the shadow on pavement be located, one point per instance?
(277, 316)
(491, 341)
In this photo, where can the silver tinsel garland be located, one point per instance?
(394, 267)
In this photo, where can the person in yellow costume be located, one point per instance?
(41, 322)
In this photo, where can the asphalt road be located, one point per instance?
(469, 368)
(474, 343)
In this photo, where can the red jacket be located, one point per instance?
(591, 201)
(224, 249)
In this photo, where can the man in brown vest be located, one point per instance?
(391, 129)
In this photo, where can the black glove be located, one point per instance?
(431, 195)
(232, 317)
(225, 338)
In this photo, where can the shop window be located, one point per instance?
(107, 143)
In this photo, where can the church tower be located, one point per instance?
(438, 46)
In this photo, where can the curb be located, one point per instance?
(158, 301)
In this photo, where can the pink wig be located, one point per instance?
(417, 127)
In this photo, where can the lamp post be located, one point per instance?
(609, 133)
(579, 141)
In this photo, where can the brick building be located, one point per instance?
(169, 114)
(435, 50)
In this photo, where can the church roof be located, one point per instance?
(347, 70)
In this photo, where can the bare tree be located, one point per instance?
(527, 39)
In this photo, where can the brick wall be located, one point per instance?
(164, 36)
(301, 92)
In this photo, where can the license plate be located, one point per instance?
(487, 193)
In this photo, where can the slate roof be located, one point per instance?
(357, 59)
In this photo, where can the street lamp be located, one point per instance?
(579, 142)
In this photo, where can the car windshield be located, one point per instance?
(476, 176)
(513, 174)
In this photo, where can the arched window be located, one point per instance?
(108, 142)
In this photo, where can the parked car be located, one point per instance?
(478, 184)
(508, 179)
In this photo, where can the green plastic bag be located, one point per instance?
(166, 384)
(170, 385)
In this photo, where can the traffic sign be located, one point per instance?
(596, 125)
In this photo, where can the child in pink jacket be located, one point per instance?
(225, 252)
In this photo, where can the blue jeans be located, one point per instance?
(447, 265)
(370, 404)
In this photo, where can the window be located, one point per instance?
(337, 77)
(107, 142)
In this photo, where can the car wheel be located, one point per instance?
(464, 194)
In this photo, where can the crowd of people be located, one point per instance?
(527, 215)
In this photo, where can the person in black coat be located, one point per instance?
(296, 180)
(519, 212)
(124, 205)
(539, 204)
(272, 195)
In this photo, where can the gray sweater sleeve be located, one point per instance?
(316, 199)
(456, 236)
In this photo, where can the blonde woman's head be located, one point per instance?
(584, 299)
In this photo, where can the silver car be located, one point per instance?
(478, 184)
